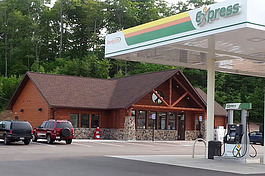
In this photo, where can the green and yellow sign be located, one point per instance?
(208, 15)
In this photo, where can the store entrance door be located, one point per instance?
(181, 126)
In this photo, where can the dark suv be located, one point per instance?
(54, 130)
(12, 131)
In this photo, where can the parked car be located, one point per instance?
(54, 130)
(12, 131)
(255, 137)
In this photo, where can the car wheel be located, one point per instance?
(6, 140)
(34, 138)
(26, 141)
(49, 139)
(66, 132)
(68, 141)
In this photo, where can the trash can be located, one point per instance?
(214, 149)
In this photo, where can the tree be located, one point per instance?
(123, 14)
(183, 6)
(7, 88)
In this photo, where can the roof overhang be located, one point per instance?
(237, 26)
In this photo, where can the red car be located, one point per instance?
(54, 130)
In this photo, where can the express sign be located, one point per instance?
(208, 15)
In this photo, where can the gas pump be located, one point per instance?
(234, 134)
(236, 141)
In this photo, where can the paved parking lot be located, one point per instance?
(112, 158)
(42, 150)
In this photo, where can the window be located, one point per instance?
(51, 125)
(64, 124)
(171, 121)
(16, 117)
(74, 120)
(162, 120)
(94, 121)
(155, 99)
(198, 123)
(141, 119)
(133, 113)
(84, 121)
(47, 125)
(2, 125)
(21, 126)
(7, 125)
(151, 120)
(43, 124)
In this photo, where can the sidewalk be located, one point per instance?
(201, 163)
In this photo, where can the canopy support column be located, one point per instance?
(210, 88)
(264, 130)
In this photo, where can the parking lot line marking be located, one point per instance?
(144, 145)
(170, 145)
(44, 144)
(186, 145)
(84, 145)
(110, 144)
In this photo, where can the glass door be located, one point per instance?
(181, 126)
(162, 120)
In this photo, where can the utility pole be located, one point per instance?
(61, 29)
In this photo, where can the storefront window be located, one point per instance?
(171, 121)
(133, 113)
(151, 120)
(141, 119)
(84, 120)
(162, 120)
(94, 121)
(198, 123)
(74, 120)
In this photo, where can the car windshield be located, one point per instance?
(17, 126)
(64, 124)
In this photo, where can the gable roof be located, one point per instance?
(63, 91)
(218, 109)
(130, 89)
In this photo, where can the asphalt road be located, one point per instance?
(97, 166)
(94, 159)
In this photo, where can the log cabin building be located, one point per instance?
(163, 105)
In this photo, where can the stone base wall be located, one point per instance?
(203, 129)
(191, 135)
(140, 134)
(84, 133)
(143, 134)
(88, 133)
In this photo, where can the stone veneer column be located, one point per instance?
(203, 129)
(129, 128)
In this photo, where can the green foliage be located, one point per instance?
(123, 14)
(181, 6)
(7, 88)
(231, 88)
(30, 41)
(146, 67)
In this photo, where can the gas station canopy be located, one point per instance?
(236, 29)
